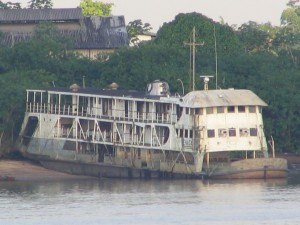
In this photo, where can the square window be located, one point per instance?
(222, 132)
(241, 109)
(252, 109)
(210, 133)
(253, 132)
(220, 109)
(244, 132)
(232, 132)
(199, 111)
(230, 109)
(209, 110)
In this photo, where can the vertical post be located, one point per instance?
(194, 57)
(216, 56)
(273, 147)
(193, 45)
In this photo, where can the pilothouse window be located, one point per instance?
(220, 109)
(241, 109)
(199, 111)
(252, 109)
(209, 110)
(230, 109)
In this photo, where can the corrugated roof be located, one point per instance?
(95, 33)
(31, 15)
(214, 98)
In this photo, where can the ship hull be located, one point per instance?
(274, 169)
(102, 170)
(261, 168)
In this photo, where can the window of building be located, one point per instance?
(253, 132)
(199, 111)
(222, 132)
(186, 133)
(181, 133)
(220, 109)
(241, 109)
(260, 109)
(232, 132)
(210, 133)
(187, 111)
(244, 132)
(252, 109)
(209, 110)
(230, 109)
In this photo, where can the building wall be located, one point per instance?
(94, 53)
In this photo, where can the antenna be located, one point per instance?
(194, 44)
(83, 81)
(206, 80)
(216, 57)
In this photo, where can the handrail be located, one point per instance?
(93, 112)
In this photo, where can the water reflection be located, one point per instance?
(151, 202)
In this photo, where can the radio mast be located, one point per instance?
(193, 44)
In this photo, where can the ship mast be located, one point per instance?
(193, 44)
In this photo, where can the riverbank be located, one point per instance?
(24, 170)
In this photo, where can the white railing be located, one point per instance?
(68, 110)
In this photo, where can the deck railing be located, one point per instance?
(82, 111)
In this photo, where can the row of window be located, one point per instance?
(211, 133)
(232, 132)
(221, 109)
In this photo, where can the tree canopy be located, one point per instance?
(40, 4)
(10, 5)
(135, 28)
(96, 8)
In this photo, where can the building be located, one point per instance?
(92, 36)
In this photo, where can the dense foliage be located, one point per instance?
(267, 63)
(95, 8)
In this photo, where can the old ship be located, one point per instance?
(129, 134)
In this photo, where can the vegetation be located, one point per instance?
(95, 8)
(260, 57)
(135, 28)
(40, 4)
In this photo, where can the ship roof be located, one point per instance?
(228, 97)
(103, 92)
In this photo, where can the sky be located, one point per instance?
(157, 12)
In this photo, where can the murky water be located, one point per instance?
(151, 202)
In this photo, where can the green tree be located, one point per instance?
(288, 38)
(95, 8)
(10, 5)
(258, 37)
(135, 28)
(178, 31)
(40, 4)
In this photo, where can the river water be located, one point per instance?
(138, 202)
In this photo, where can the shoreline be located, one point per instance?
(25, 170)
